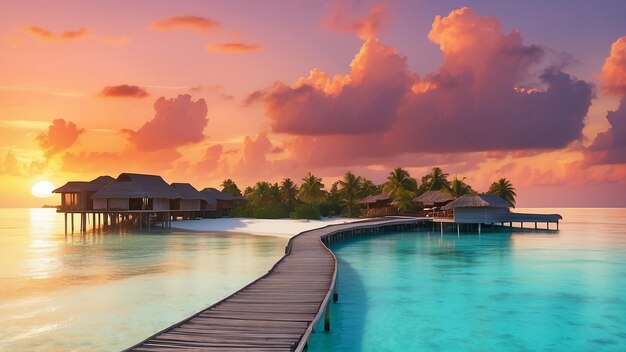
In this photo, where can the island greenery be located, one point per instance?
(312, 200)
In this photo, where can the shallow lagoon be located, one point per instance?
(105, 292)
(501, 291)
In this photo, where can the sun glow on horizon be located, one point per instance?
(42, 189)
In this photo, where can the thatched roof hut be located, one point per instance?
(222, 202)
(128, 185)
(383, 197)
(76, 195)
(187, 191)
(477, 201)
(434, 197)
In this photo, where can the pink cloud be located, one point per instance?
(193, 23)
(45, 34)
(233, 48)
(483, 98)
(609, 147)
(364, 27)
(176, 122)
(211, 163)
(124, 90)
(363, 102)
(614, 69)
(60, 136)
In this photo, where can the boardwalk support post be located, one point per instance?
(327, 318)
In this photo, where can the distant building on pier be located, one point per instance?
(76, 195)
(135, 192)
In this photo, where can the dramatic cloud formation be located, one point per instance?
(44, 34)
(609, 147)
(176, 122)
(365, 27)
(483, 98)
(193, 23)
(365, 101)
(614, 69)
(123, 90)
(233, 48)
(60, 136)
(208, 165)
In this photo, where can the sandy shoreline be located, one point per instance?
(285, 228)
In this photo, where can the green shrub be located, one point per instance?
(306, 211)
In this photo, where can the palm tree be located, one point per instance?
(403, 200)
(312, 190)
(435, 180)
(350, 190)
(459, 188)
(398, 180)
(288, 192)
(261, 194)
(505, 190)
(368, 187)
(229, 186)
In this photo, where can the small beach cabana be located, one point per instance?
(433, 199)
(135, 192)
(221, 203)
(76, 195)
(377, 205)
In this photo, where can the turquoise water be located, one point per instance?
(106, 292)
(501, 291)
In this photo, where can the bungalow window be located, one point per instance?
(70, 199)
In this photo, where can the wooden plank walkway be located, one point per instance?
(278, 311)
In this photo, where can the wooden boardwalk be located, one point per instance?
(278, 311)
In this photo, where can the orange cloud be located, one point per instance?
(123, 90)
(614, 70)
(44, 34)
(364, 27)
(193, 23)
(9, 165)
(60, 136)
(176, 122)
(233, 48)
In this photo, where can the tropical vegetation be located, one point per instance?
(312, 200)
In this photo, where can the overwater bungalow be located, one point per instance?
(191, 204)
(221, 203)
(76, 195)
(488, 209)
(135, 192)
(432, 201)
(377, 205)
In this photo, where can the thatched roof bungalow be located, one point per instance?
(434, 198)
(76, 195)
(221, 202)
(478, 209)
(490, 209)
(135, 192)
(191, 199)
(377, 205)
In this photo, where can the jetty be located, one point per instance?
(278, 311)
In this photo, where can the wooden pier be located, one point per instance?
(278, 311)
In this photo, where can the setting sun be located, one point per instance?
(42, 189)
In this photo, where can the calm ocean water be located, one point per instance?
(507, 291)
(106, 292)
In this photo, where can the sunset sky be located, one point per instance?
(200, 91)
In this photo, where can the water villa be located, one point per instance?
(191, 204)
(486, 209)
(76, 195)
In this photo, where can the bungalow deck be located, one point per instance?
(278, 311)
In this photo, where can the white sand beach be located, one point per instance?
(268, 227)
